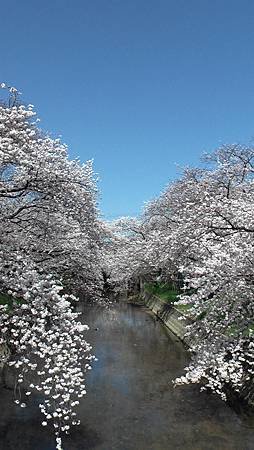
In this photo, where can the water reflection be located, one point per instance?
(131, 403)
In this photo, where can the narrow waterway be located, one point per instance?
(131, 403)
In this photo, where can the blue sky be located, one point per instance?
(140, 86)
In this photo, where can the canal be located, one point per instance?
(131, 403)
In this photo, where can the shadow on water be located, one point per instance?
(131, 403)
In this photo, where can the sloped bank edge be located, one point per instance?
(176, 322)
(4, 356)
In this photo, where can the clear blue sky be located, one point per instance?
(138, 85)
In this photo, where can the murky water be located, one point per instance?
(131, 403)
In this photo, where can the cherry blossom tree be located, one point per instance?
(51, 242)
(48, 202)
(200, 230)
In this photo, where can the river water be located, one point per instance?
(131, 403)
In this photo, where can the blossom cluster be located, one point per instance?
(47, 345)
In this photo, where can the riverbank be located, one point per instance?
(4, 355)
(131, 402)
(176, 322)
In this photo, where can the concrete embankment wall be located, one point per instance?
(4, 355)
(170, 316)
(176, 322)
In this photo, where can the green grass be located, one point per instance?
(184, 308)
(9, 301)
(234, 330)
(165, 291)
(168, 294)
(4, 299)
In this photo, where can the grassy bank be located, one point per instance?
(9, 301)
(167, 293)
